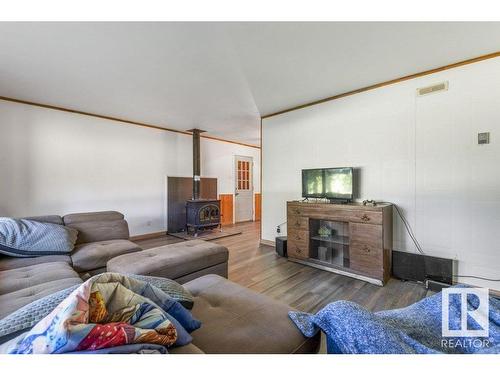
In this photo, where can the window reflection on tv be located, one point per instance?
(338, 183)
(331, 183)
(312, 183)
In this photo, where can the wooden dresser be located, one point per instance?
(349, 239)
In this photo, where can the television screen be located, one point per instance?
(338, 183)
(312, 183)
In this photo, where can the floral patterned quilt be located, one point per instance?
(108, 310)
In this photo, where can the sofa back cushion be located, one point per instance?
(98, 226)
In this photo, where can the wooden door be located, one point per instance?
(243, 189)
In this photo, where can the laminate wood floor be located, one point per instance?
(258, 267)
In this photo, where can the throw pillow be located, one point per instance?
(30, 238)
(171, 287)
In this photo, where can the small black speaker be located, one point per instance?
(281, 246)
(417, 267)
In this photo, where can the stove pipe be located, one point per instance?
(196, 163)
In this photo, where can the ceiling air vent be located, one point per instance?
(443, 86)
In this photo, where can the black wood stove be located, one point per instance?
(201, 214)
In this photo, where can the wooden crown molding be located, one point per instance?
(386, 83)
(335, 97)
(117, 119)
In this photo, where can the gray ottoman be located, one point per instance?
(182, 262)
(237, 320)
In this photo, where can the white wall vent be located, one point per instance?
(443, 86)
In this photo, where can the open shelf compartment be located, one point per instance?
(329, 242)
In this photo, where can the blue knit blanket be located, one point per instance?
(350, 328)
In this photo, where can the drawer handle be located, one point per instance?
(296, 211)
(365, 218)
(366, 248)
(297, 237)
(297, 224)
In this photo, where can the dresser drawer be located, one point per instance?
(297, 249)
(335, 213)
(295, 210)
(368, 234)
(298, 244)
(368, 217)
(365, 255)
(298, 235)
(297, 223)
(366, 248)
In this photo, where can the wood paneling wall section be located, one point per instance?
(226, 208)
(257, 206)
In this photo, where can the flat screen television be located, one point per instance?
(330, 183)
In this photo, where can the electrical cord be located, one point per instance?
(419, 248)
(278, 227)
(408, 228)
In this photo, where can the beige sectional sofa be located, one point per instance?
(234, 319)
(101, 236)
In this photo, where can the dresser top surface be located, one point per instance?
(353, 205)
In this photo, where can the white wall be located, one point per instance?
(54, 162)
(218, 161)
(418, 152)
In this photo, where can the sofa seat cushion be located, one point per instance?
(171, 261)
(25, 277)
(238, 320)
(29, 315)
(9, 263)
(10, 302)
(90, 256)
